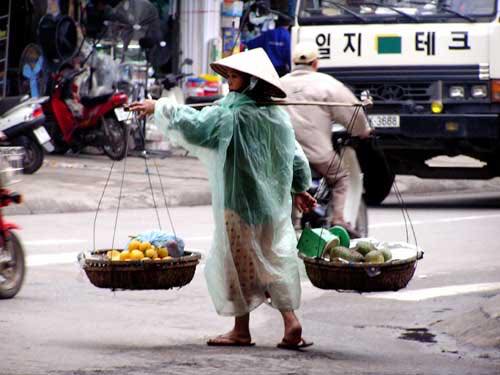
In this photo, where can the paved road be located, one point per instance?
(61, 324)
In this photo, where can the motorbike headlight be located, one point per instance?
(479, 91)
(456, 92)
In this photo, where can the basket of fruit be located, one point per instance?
(363, 265)
(140, 266)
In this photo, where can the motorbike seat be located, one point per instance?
(10, 102)
(91, 101)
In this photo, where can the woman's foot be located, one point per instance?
(293, 328)
(293, 332)
(232, 338)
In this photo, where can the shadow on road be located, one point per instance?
(451, 201)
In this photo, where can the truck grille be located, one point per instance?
(393, 92)
(391, 84)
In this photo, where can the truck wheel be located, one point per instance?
(378, 176)
(33, 154)
(11, 272)
(377, 185)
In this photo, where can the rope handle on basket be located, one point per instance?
(349, 128)
(121, 188)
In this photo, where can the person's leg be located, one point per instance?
(337, 178)
(239, 335)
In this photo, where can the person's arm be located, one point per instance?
(199, 128)
(301, 181)
(358, 126)
(301, 171)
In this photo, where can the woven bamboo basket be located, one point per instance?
(360, 277)
(139, 275)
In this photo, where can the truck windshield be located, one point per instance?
(368, 11)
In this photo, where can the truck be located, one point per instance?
(433, 71)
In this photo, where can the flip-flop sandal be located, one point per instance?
(228, 342)
(298, 346)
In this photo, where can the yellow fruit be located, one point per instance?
(115, 258)
(144, 246)
(146, 259)
(125, 255)
(151, 253)
(156, 258)
(167, 258)
(112, 254)
(162, 252)
(136, 255)
(134, 245)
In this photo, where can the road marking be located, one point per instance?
(38, 260)
(52, 242)
(433, 221)
(428, 293)
(51, 259)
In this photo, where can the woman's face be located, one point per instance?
(236, 81)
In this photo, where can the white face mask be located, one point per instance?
(251, 85)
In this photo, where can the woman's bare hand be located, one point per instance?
(304, 201)
(144, 108)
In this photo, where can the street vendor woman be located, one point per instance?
(255, 168)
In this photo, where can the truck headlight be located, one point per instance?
(456, 92)
(479, 91)
(436, 106)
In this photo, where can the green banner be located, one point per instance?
(388, 44)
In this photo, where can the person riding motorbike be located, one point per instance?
(312, 124)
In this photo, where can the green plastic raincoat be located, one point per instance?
(254, 164)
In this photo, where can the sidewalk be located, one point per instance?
(73, 183)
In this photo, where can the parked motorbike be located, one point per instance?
(98, 124)
(21, 124)
(355, 210)
(12, 260)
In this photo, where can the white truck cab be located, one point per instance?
(432, 68)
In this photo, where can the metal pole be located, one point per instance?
(284, 102)
(6, 61)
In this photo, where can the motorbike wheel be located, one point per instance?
(116, 149)
(362, 219)
(13, 271)
(60, 146)
(33, 154)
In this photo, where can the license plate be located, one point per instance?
(384, 121)
(121, 115)
(42, 135)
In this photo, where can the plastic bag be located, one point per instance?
(174, 245)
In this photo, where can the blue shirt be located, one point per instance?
(276, 43)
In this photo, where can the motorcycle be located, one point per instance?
(12, 259)
(355, 210)
(21, 124)
(100, 124)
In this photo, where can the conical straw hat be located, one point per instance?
(256, 63)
